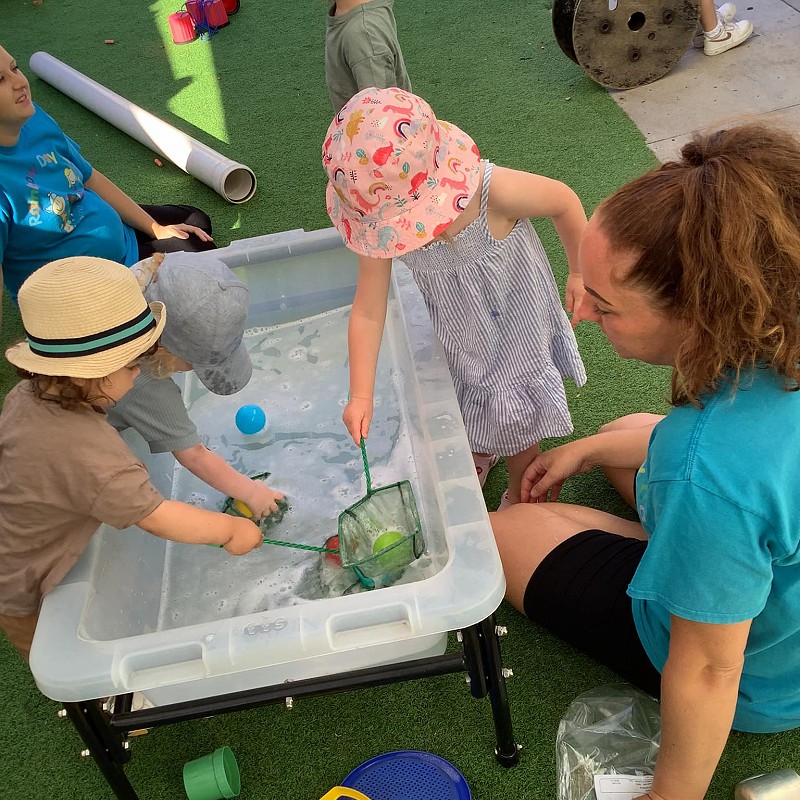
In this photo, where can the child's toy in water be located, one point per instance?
(212, 777)
(394, 551)
(408, 773)
(250, 419)
(238, 508)
(336, 581)
(381, 533)
(242, 508)
(332, 556)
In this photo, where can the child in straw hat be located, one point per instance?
(207, 307)
(63, 469)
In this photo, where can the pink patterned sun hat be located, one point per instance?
(397, 176)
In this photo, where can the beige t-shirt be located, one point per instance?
(62, 474)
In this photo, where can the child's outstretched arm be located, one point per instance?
(518, 195)
(181, 522)
(134, 215)
(364, 336)
(216, 472)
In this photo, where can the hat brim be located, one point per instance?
(95, 365)
(229, 377)
(417, 223)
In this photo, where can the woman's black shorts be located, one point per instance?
(579, 593)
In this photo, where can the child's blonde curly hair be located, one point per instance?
(162, 363)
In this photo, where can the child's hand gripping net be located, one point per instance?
(237, 508)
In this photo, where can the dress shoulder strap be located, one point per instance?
(487, 176)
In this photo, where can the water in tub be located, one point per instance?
(300, 379)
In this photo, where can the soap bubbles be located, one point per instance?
(250, 419)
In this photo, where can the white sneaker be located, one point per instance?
(727, 36)
(725, 12)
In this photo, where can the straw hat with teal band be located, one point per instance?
(84, 317)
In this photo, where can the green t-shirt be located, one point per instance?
(361, 51)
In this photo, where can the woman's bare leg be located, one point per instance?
(527, 532)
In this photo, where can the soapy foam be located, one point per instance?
(312, 460)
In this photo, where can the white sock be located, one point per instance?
(716, 32)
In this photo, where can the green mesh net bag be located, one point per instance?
(380, 535)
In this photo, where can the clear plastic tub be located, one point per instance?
(182, 622)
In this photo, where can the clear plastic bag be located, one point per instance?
(611, 729)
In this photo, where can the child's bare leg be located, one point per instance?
(517, 465)
(623, 479)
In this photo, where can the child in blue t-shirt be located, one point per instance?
(53, 204)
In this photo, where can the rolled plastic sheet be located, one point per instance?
(233, 181)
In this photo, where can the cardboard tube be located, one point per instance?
(235, 182)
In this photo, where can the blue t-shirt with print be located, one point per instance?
(719, 496)
(46, 212)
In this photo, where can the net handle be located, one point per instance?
(293, 545)
(366, 466)
(297, 546)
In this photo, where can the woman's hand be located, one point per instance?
(357, 417)
(547, 472)
(179, 231)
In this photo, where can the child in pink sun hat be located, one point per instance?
(403, 184)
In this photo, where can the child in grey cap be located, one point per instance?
(207, 307)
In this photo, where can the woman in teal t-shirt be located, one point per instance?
(53, 204)
(695, 265)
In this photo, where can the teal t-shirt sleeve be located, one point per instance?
(708, 560)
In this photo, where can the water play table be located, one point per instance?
(202, 633)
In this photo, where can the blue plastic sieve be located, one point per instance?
(406, 774)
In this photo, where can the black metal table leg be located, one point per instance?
(507, 752)
(470, 639)
(88, 719)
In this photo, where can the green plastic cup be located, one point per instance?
(212, 777)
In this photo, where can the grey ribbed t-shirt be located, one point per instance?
(154, 408)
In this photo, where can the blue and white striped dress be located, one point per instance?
(496, 309)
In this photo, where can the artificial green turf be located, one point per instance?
(495, 70)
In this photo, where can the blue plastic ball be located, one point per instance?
(250, 419)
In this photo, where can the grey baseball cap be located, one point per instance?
(207, 308)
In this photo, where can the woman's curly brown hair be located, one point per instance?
(717, 235)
